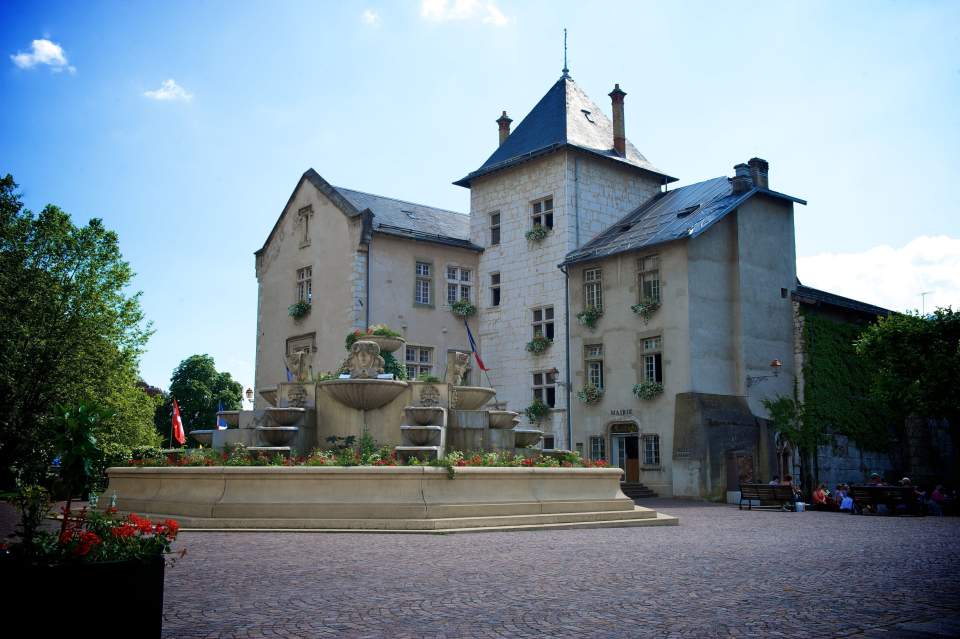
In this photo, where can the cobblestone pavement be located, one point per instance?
(720, 573)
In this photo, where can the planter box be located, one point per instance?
(120, 598)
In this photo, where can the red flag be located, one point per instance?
(178, 425)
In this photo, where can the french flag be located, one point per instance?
(473, 347)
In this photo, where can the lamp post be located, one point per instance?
(775, 366)
(249, 395)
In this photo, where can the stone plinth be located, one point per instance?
(408, 499)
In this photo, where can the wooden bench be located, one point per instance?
(765, 492)
(889, 496)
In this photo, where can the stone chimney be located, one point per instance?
(759, 172)
(504, 123)
(619, 130)
(742, 182)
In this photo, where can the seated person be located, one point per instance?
(775, 481)
(820, 498)
(937, 501)
(846, 503)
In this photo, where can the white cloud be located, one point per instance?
(370, 17)
(446, 11)
(44, 52)
(169, 91)
(891, 277)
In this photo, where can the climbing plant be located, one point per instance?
(836, 388)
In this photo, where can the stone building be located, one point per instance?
(692, 292)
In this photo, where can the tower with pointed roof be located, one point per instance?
(553, 183)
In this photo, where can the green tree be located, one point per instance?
(914, 366)
(71, 331)
(792, 422)
(199, 389)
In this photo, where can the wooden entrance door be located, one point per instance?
(626, 455)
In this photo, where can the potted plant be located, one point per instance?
(536, 411)
(646, 308)
(299, 310)
(539, 344)
(589, 316)
(386, 338)
(590, 394)
(95, 559)
(648, 389)
(463, 308)
(538, 233)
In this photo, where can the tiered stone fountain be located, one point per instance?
(423, 419)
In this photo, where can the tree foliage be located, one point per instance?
(199, 389)
(914, 365)
(71, 332)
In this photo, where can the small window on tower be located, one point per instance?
(542, 214)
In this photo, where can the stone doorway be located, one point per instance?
(625, 449)
(740, 469)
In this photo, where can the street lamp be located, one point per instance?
(249, 395)
(775, 366)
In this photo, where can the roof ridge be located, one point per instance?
(387, 197)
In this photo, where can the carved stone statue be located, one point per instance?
(458, 368)
(299, 362)
(364, 361)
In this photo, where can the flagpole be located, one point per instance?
(171, 426)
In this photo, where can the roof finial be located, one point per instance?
(566, 71)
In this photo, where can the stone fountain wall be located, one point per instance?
(336, 420)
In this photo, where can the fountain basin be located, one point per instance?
(269, 394)
(285, 416)
(526, 437)
(425, 415)
(277, 435)
(232, 417)
(422, 435)
(386, 344)
(378, 498)
(502, 418)
(203, 437)
(472, 397)
(364, 394)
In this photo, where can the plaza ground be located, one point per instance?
(720, 573)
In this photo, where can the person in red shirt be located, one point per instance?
(820, 498)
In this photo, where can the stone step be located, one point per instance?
(637, 491)
(639, 516)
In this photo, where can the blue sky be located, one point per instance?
(854, 104)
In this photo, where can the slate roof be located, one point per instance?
(564, 117)
(673, 215)
(809, 295)
(413, 221)
(389, 215)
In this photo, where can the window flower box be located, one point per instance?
(590, 394)
(648, 390)
(646, 308)
(589, 316)
(463, 308)
(536, 411)
(538, 233)
(299, 310)
(539, 344)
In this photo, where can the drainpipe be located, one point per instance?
(366, 304)
(566, 329)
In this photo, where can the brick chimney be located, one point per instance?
(504, 123)
(619, 131)
(759, 172)
(742, 182)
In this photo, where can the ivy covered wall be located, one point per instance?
(835, 384)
